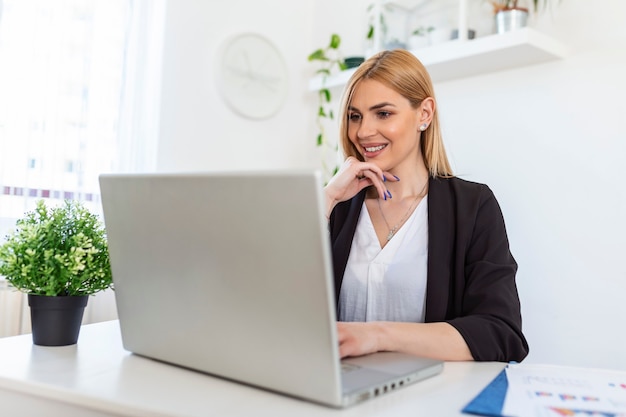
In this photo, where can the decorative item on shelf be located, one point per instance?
(376, 27)
(510, 15)
(354, 61)
(331, 60)
(440, 35)
(484, 54)
(58, 256)
(394, 24)
(386, 27)
(471, 34)
(395, 44)
(420, 37)
(423, 31)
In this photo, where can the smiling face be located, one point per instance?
(384, 127)
(400, 76)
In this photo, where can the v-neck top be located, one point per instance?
(471, 271)
(389, 283)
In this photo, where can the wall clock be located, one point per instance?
(252, 76)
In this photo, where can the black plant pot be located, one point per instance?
(55, 321)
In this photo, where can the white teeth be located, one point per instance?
(375, 148)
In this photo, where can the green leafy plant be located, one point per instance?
(330, 59)
(383, 22)
(423, 30)
(60, 251)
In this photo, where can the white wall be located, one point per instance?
(198, 131)
(552, 147)
(549, 139)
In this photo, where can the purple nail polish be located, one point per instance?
(398, 179)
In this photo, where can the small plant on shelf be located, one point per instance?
(423, 31)
(513, 14)
(381, 19)
(501, 5)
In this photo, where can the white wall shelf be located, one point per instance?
(466, 58)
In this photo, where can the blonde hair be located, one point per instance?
(401, 71)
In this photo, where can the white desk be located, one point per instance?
(97, 377)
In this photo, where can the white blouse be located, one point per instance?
(387, 284)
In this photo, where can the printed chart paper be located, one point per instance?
(558, 391)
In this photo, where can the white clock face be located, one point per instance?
(252, 76)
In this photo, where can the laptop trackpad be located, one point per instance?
(393, 363)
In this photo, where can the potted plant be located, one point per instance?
(510, 15)
(58, 256)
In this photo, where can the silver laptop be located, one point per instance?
(230, 274)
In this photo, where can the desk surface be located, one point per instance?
(97, 377)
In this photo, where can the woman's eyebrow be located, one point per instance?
(374, 107)
(381, 105)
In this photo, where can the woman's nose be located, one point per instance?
(366, 128)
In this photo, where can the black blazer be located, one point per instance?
(471, 272)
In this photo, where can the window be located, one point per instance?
(65, 70)
(79, 83)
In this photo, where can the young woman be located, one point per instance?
(421, 258)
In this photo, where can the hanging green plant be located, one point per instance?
(331, 60)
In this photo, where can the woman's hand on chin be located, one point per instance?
(352, 177)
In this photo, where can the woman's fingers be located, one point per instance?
(355, 339)
(354, 176)
(363, 170)
(377, 181)
(378, 178)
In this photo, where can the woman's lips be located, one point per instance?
(370, 151)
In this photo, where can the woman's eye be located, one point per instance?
(384, 114)
(354, 117)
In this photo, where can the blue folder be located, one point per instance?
(490, 400)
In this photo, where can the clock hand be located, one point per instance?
(268, 84)
(239, 72)
(246, 60)
(263, 77)
(267, 81)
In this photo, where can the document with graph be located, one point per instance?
(560, 391)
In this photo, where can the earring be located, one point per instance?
(423, 127)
